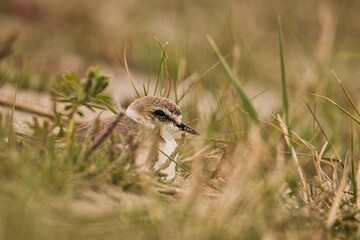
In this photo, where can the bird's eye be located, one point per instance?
(160, 114)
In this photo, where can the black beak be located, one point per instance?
(187, 129)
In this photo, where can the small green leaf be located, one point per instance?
(101, 84)
(83, 93)
(88, 84)
(68, 107)
(71, 76)
(65, 100)
(93, 72)
(103, 98)
(81, 114)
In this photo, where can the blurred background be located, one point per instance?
(53, 37)
(43, 39)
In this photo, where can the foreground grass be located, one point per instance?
(247, 180)
(48, 193)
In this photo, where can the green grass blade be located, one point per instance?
(162, 67)
(285, 96)
(235, 82)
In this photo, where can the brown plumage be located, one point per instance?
(136, 127)
(127, 127)
(147, 103)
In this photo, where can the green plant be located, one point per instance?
(75, 94)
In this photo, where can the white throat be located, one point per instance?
(166, 147)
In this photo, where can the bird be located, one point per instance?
(136, 127)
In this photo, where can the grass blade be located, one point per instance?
(285, 97)
(199, 78)
(128, 72)
(162, 69)
(347, 94)
(106, 105)
(322, 130)
(286, 133)
(338, 106)
(353, 166)
(235, 82)
(332, 217)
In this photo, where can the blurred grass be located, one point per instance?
(241, 186)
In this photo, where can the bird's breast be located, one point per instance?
(167, 148)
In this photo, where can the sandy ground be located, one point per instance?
(120, 89)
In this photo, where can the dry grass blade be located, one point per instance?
(347, 94)
(128, 72)
(196, 155)
(338, 106)
(322, 130)
(338, 197)
(285, 131)
(353, 166)
(172, 160)
(198, 80)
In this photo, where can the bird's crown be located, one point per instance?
(150, 109)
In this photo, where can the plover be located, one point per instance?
(146, 115)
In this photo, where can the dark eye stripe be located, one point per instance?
(160, 114)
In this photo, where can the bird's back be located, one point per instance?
(126, 127)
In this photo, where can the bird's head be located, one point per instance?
(150, 109)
